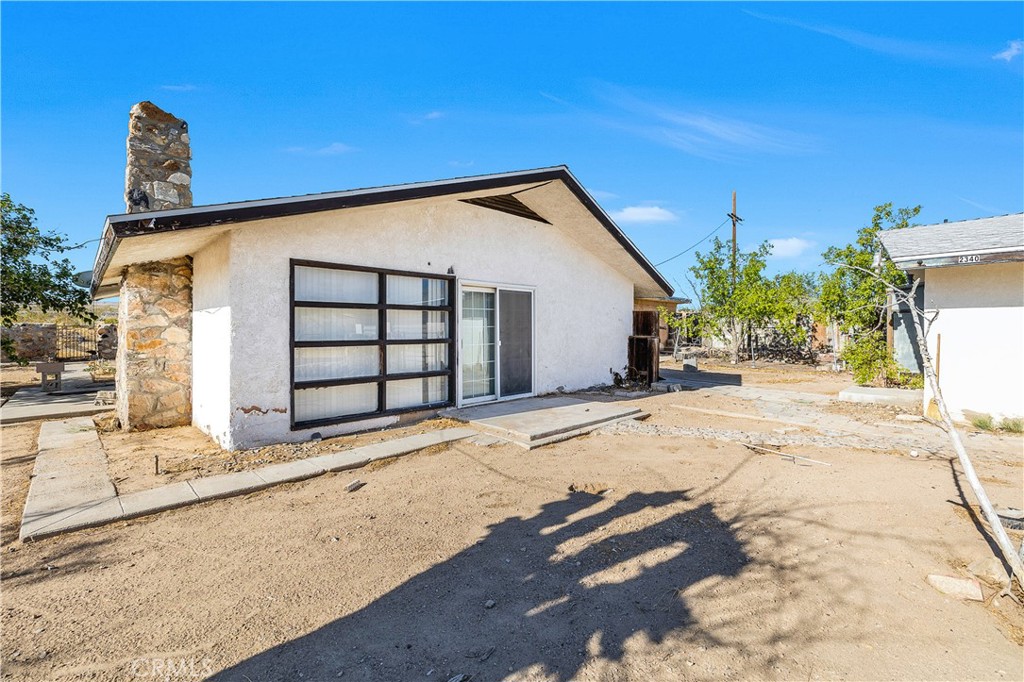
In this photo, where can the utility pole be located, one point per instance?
(735, 341)
(735, 219)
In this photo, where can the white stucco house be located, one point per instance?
(351, 310)
(973, 277)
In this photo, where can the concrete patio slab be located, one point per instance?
(911, 399)
(75, 400)
(158, 499)
(532, 422)
(226, 485)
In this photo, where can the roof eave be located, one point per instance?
(958, 259)
(118, 227)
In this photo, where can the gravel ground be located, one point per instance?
(700, 560)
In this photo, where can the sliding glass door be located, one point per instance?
(515, 341)
(478, 344)
(497, 343)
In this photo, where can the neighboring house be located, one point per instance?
(901, 334)
(973, 272)
(271, 320)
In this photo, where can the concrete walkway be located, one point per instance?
(76, 398)
(909, 398)
(696, 381)
(533, 422)
(70, 486)
(71, 490)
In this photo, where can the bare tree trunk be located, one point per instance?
(1010, 555)
(735, 339)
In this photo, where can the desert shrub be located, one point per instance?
(1012, 425)
(869, 359)
(983, 422)
(901, 378)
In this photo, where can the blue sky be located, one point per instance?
(813, 113)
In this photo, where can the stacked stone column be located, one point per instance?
(154, 350)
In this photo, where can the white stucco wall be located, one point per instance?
(583, 307)
(981, 322)
(211, 340)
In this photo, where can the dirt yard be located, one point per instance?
(13, 377)
(775, 374)
(701, 560)
(185, 452)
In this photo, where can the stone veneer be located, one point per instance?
(154, 345)
(32, 342)
(159, 173)
(154, 329)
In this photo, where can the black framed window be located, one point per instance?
(368, 342)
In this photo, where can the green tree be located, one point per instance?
(730, 304)
(854, 293)
(793, 296)
(31, 274)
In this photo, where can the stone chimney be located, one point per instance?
(154, 328)
(158, 175)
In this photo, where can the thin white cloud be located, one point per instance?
(553, 98)
(644, 214)
(892, 46)
(429, 116)
(699, 133)
(332, 149)
(601, 194)
(982, 207)
(1013, 48)
(789, 247)
(180, 87)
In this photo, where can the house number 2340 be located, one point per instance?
(968, 259)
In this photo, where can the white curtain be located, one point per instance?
(336, 286)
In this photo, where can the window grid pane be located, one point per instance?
(420, 357)
(335, 401)
(417, 324)
(335, 286)
(416, 392)
(339, 362)
(335, 324)
(416, 291)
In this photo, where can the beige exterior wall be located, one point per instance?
(981, 325)
(242, 301)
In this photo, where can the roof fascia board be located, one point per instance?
(243, 211)
(962, 252)
(956, 260)
(121, 226)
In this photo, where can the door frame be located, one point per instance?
(496, 287)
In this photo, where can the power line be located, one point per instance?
(691, 248)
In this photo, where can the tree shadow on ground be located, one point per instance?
(703, 376)
(568, 584)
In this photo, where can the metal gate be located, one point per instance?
(76, 343)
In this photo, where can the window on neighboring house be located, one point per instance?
(368, 342)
